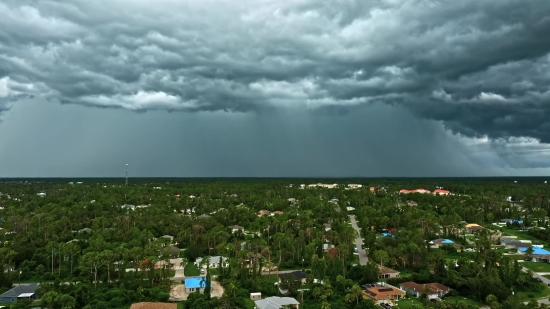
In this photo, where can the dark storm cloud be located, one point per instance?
(369, 141)
(480, 67)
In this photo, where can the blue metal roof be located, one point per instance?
(536, 250)
(198, 282)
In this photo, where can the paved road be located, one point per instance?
(363, 259)
(544, 280)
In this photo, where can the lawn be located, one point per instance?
(516, 256)
(526, 296)
(537, 267)
(271, 278)
(191, 270)
(408, 303)
(460, 299)
(521, 235)
(249, 304)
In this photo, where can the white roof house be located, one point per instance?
(214, 260)
(276, 302)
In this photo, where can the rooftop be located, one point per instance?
(193, 283)
(433, 287)
(20, 290)
(298, 275)
(386, 270)
(536, 250)
(275, 302)
(382, 291)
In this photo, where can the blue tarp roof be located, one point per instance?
(447, 241)
(192, 283)
(388, 235)
(536, 250)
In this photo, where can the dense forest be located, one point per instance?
(97, 243)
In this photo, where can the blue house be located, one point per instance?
(195, 284)
(388, 235)
(24, 291)
(539, 254)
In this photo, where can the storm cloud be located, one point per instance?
(480, 67)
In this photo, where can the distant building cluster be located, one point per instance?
(424, 191)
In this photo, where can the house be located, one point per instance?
(412, 203)
(277, 212)
(515, 244)
(539, 254)
(440, 242)
(327, 227)
(255, 296)
(441, 192)
(433, 290)
(214, 262)
(276, 302)
(172, 251)
(150, 305)
(196, 284)
(236, 228)
(295, 275)
(326, 247)
(420, 190)
(383, 293)
(473, 228)
(85, 230)
(24, 291)
(168, 239)
(263, 212)
(386, 273)
(292, 200)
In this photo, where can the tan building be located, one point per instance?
(473, 228)
(263, 212)
(255, 296)
(386, 273)
(432, 290)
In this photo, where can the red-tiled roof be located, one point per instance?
(433, 287)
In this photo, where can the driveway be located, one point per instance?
(363, 259)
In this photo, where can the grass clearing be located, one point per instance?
(460, 299)
(191, 270)
(408, 303)
(537, 267)
(520, 235)
(249, 303)
(527, 296)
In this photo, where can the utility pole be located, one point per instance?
(126, 184)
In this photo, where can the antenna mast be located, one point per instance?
(126, 174)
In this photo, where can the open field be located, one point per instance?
(537, 267)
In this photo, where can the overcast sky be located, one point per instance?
(274, 88)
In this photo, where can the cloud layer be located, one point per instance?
(480, 67)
